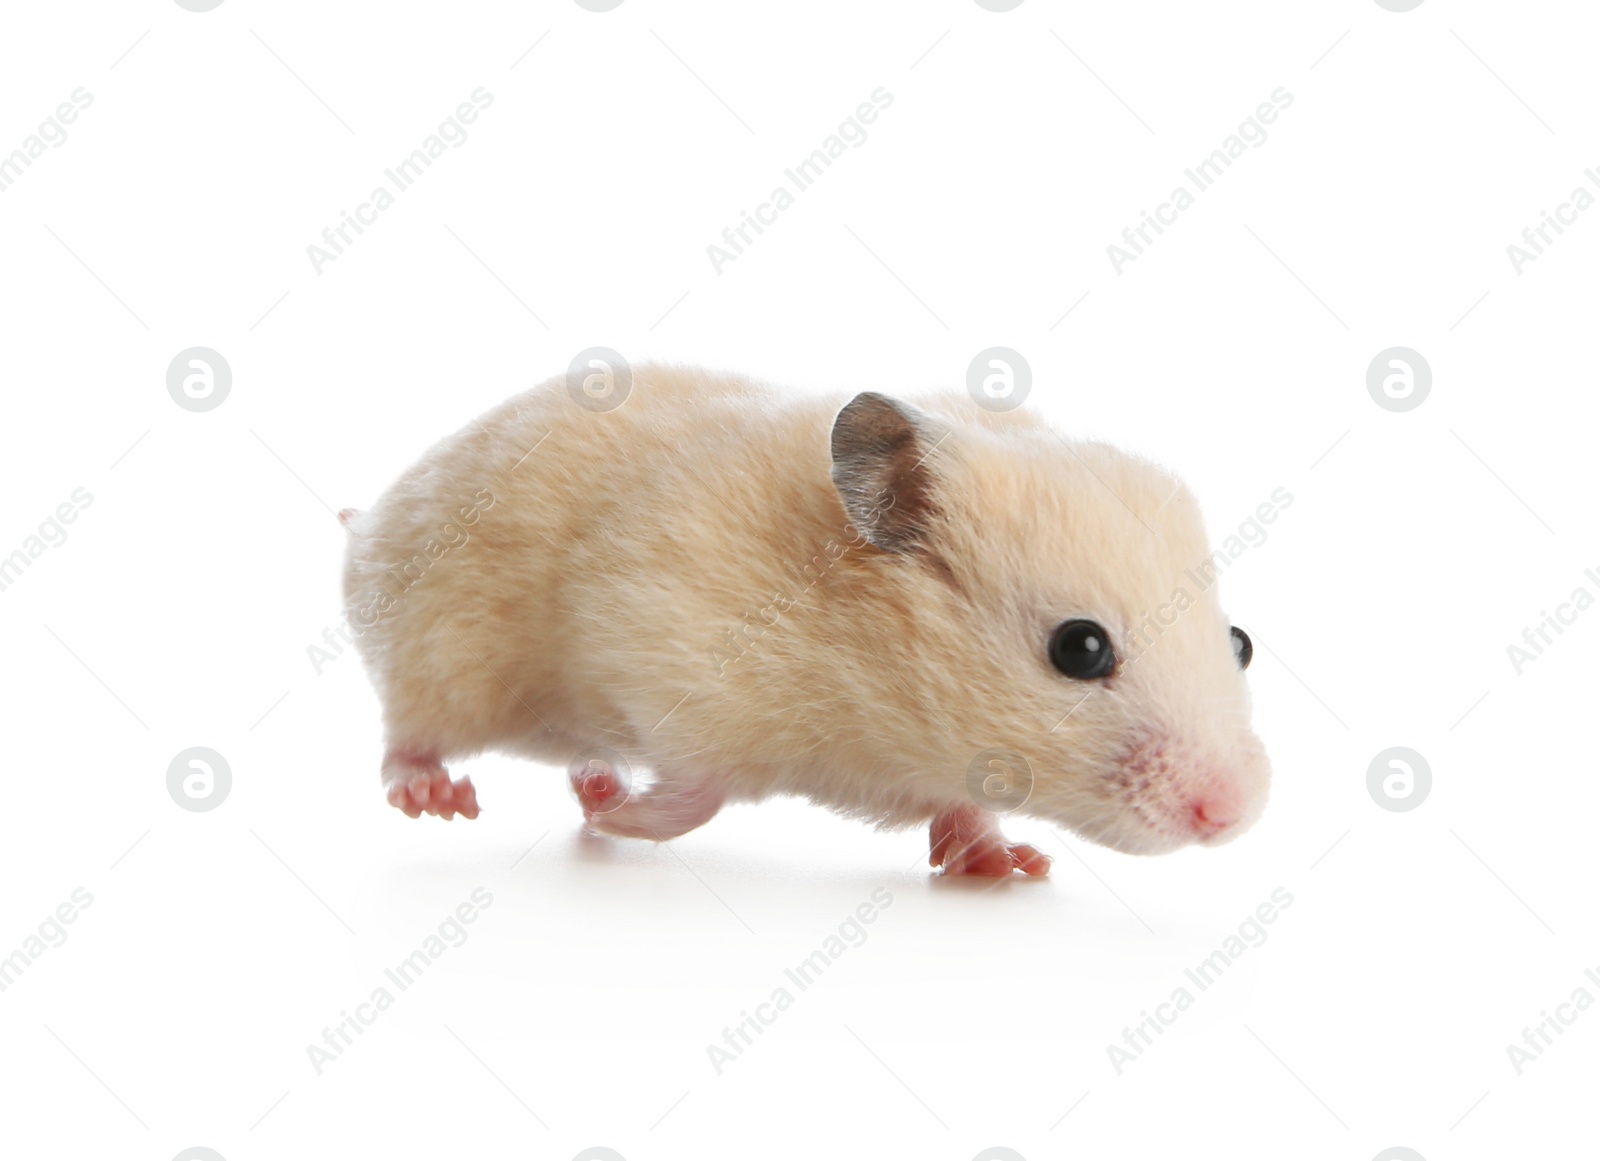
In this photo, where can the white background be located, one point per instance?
(178, 612)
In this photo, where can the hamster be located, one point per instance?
(908, 612)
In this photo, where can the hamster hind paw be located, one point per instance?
(597, 787)
(670, 807)
(419, 788)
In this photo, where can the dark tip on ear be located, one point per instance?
(883, 472)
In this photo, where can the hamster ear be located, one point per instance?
(883, 470)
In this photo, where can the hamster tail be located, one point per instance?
(346, 515)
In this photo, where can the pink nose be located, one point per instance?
(1215, 811)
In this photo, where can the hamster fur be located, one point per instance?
(717, 592)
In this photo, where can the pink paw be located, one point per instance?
(597, 786)
(995, 860)
(964, 841)
(432, 792)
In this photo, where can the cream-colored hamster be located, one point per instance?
(712, 592)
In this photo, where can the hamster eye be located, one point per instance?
(1082, 649)
(1242, 649)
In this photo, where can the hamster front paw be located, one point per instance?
(966, 840)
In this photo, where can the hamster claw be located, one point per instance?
(426, 790)
(967, 841)
(1029, 860)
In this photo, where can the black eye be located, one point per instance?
(1242, 649)
(1082, 649)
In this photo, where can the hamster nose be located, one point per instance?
(1215, 810)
